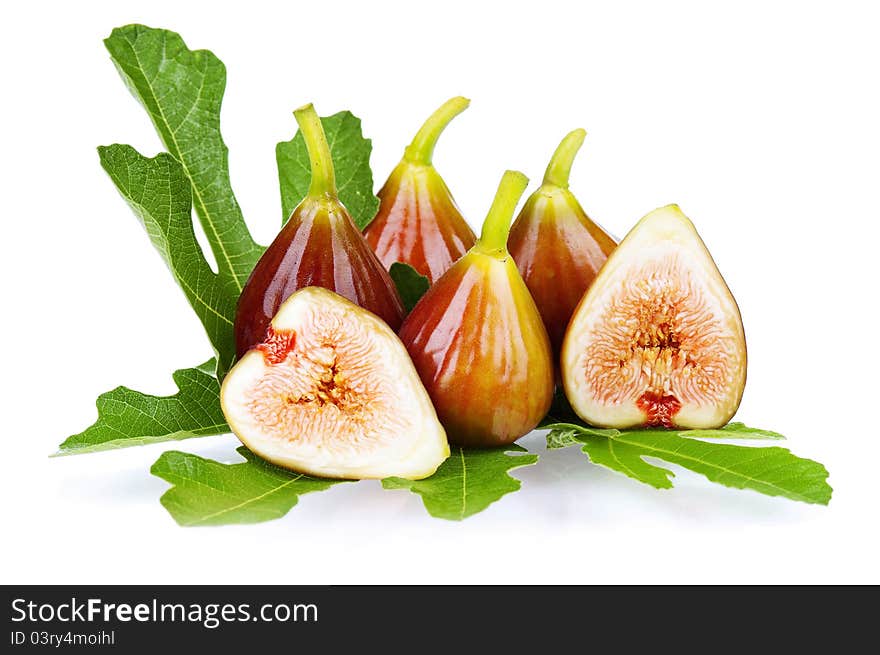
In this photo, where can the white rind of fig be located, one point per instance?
(658, 322)
(333, 394)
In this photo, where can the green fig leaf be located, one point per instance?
(772, 471)
(131, 418)
(351, 160)
(562, 432)
(159, 194)
(734, 430)
(468, 482)
(182, 90)
(205, 492)
(411, 285)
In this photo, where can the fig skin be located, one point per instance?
(318, 246)
(477, 340)
(418, 222)
(658, 339)
(557, 248)
(333, 393)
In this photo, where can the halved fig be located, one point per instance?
(332, 392)
(657, 340)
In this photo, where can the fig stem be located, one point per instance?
(323, 178)
(421, 150)
(493, 238)
(559, 168)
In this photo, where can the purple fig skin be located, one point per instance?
(558, 251)
(557, 248)
(418, 222)
(478, 342)
(318, 246)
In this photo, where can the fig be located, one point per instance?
(556, 246)
(657, 340)
(418, 222)
(318, 246)
(332, 392)
(478, 342)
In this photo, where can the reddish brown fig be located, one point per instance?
(556, 246)
(418, 222)
(478, 342)
(318, 246)
(658, 339)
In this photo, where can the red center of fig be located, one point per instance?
(660, 344)
(659, 410)
(277, 345)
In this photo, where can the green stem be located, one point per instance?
(421, 150)
(496, 227)
(323, 178)
(559, 167)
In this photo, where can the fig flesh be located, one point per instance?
(332, 392)
(418, 222)
(556, 246)
(658, 339)
(478, 342)
(318, 246)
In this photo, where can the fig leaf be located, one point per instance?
(182, 90)
(411, 285)
(205, 492)
(770, 470)
(350, 152)
(468, 482)
(131, 418)
(159, 194)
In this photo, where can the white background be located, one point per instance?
(761, 120)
